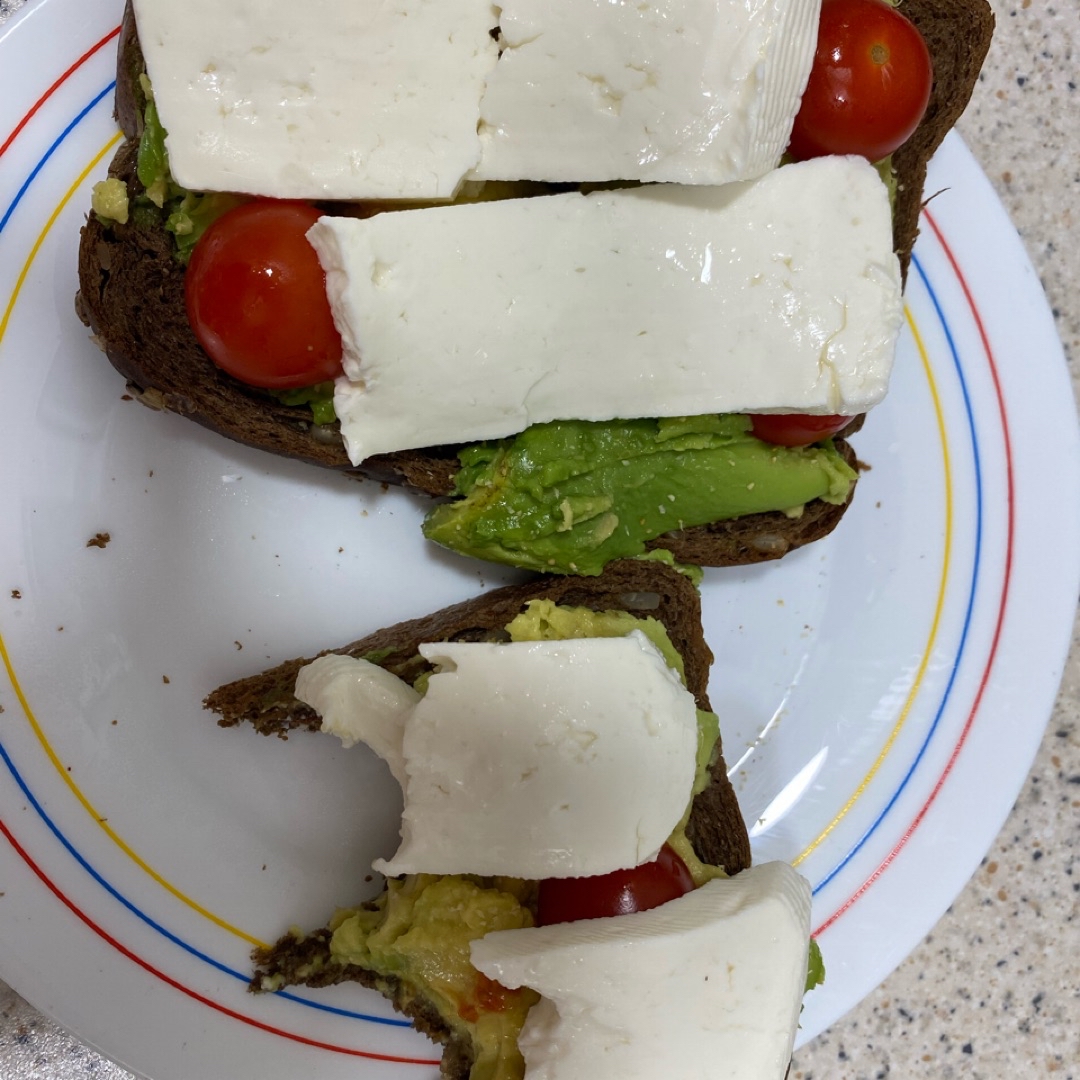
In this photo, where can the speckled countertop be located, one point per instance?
(994, 991)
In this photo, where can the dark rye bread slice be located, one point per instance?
(132, 298)
(642, 587)
(716, 828)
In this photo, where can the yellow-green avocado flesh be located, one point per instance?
(570, 496)
(419, 930)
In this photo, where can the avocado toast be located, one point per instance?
(132, 297)
(714, 832)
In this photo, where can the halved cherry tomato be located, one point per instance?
(256, 297)
(795, 429)
(618, 893)
(869, 85)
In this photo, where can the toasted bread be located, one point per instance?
(642, 587)
(132, 298)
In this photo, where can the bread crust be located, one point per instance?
(957, 33)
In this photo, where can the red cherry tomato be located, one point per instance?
(256, 297)
(869, 85)
(619, 893)
(795, 429)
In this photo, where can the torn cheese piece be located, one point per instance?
(713, 979)
(472, 322)
(321, 99)
(545, 759)
(358, 701)
(691, 91)
(528, 759)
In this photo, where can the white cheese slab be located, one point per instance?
(358, 701)
(319, 99)
(472, 322)
(711, 981)
(406, 99)
(545, 759)
(532, 759)
(691, 91)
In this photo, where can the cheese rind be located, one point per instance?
(472, 322)
(691, 91)
(716, 976)
(545, 759)
(321, 99)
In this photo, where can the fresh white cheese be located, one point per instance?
(472, 322)
(692, 91)
(545, 759)
(358, 701)
(404, 100)
(530, 759)
(319, 99)
(707, 985)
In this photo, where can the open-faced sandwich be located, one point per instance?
(572, 891)
(565, 281)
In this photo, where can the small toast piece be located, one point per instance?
(642, 587)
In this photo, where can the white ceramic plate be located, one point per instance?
(882, 693)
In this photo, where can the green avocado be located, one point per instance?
(187, 214)
(570, 496)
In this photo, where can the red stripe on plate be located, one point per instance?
(123, 949)
(1005, 581)
(55, 86)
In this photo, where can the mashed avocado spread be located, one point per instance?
(570, 496)
(418, 931)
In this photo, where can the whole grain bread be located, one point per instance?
(642, 587)
(132, 297)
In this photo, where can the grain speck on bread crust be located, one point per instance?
(644, 587)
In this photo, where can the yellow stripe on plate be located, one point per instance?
(938, 606)
(35, 726)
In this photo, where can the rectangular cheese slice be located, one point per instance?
(319, 99)
(367, 100)
(472, 322)
(691, 91)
